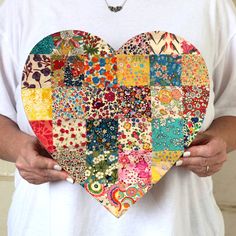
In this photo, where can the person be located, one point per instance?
(182, 203)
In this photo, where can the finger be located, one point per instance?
(212, 148)
(31, 177)
(199, 171)
(200, 139)
(202, 171)
(201, 161)
(41, 162)
(43, 176)
(53, 175)
(195, 169)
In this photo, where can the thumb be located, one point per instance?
(201, 139)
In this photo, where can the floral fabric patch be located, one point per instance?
(73, 162)
(165, 70)
(134, 102)
(37, 72)
(134, 134)
(116, 121)
(44, 131)
(167, 102)
(101, 103)
(69, 134)
(68, 103)
(101, 71)
(135, 167)
(74, 71)
(102, 134)
(102, 167)
(133, 70)
(167, 134)
(162, 161)
(194, 72)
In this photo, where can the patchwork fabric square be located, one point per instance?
(167, 134)
(134, 102)
(68, 103)
(101, 103)
(74, 71)
(135, 167)
(58, 64)
(190, 125)
(68, 43)
(119, 197)
(194, 71)
(37, 103)
(102, 134)
(72, 161)
(101, 71)
(162, 161)
(45, 46)
(45, 132)
(137, 131)
(133, 70)
(102, 167)
(67, 71)
(37, 72)
(74, 42)
(70, 134)
(167, 102)
(195, 100)
(165, 70)
(195, 105)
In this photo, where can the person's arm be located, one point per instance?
(25, 151)
(210, 148)
(11, 139)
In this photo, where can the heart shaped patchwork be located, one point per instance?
(116, 121)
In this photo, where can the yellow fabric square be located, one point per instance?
(133, 70)
(194, 71)
(37, 103)
(162, 161)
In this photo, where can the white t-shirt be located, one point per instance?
(181, 203)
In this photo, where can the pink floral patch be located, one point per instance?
(135, 167)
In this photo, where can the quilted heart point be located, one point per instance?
(116, 121)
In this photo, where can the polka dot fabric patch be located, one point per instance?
(116, 121)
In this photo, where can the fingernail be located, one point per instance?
(187, 154)
(70, 180)
(179, 163)
(57, 167)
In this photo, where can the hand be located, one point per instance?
(205, 156)
(36, 166)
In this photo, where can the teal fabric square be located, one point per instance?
(167, 134)
(102, 134)
(45, 46)
(165, 70)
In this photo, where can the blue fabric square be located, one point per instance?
(102, 134)
(165, 70)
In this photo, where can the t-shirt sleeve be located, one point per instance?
(225, 81)
(8, 81)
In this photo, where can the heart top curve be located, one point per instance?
(116, 121)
